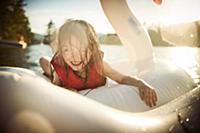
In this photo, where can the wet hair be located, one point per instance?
(86, 36)
(54, 42)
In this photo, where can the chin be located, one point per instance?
(75, 68)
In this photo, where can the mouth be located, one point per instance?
(76, 63)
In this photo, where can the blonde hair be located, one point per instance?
(54, 42)
(86, 35)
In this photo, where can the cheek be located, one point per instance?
(89, 54)
(66, 56)
(69, 63)
(86, 57)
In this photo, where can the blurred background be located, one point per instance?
(27, 27)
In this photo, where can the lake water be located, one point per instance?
(186, 57)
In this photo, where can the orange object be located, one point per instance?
(159, 2)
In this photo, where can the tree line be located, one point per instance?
(14, 24)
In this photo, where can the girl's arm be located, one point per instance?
(55, 79)
(146, 92)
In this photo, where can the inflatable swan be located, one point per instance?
(30, 103)
(169, 80)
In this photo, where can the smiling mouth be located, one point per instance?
(76, 64)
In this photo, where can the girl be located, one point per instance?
(78, 63)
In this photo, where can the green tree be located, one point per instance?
(49, 33)
(13, 21)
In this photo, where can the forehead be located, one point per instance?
(75, 42)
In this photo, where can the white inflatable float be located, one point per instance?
(31, 103)
(169, 80)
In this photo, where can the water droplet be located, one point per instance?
(179, 114)
(197, 98)
(171, 128)
(144, 129)
(191, 35)
(181, 121)
(187, 120)
(16, 77)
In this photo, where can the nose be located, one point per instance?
(76, 56)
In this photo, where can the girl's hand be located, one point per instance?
(55, 79)
(147, 94)
(72, 89)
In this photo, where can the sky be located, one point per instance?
(40, 12)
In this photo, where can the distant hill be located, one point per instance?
(110, 38)
(37, 38)
(156, 38)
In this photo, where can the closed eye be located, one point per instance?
(65, 50)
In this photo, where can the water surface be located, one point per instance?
(185, 57)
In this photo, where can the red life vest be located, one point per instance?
(71, 80)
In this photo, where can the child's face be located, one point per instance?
(76, 54)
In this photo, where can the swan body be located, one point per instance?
(28, 101)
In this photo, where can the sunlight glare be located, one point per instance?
(180, 34)
(136, 120)
(183, 57)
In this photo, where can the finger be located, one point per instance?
(151, 101)
(140, 93)
(153, 97)
(150, 97)
(156, 97)
(143, 94)
(147, 96)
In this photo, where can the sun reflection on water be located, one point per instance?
(187, 58)
(183, 56)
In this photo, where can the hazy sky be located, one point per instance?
(40, 12)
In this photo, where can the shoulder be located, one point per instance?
(101, 53)
(108, 70)
(57, 59)
(97, 57)
(106, 67)
(113, 74)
